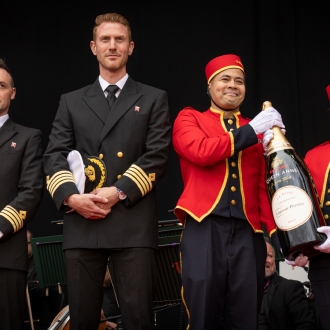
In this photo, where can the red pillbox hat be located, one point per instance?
(221, 63)
(328, 91)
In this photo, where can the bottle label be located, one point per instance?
(291, 207)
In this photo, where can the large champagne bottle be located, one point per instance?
(294, 199)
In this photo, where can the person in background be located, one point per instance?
(285, 305)
(224, 202)
(21, 182)
(125, 125)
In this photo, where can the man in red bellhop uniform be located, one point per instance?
(318, 162)
(223, 204)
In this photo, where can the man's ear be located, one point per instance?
(130, 48)
(208, 90)
(93, 47)
(13, 93)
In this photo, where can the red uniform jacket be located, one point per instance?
(317, 160)
(204, 145)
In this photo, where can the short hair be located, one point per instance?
(269, 241)
(112, 18)
(4, 66)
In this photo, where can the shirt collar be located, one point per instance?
(221, 112)
(3, 119)
(120, 83)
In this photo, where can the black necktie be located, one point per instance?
(111, 89)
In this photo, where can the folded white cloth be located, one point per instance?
(77, 169)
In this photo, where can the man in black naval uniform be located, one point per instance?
(21, 181)
(132, 138)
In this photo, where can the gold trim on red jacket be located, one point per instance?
(203, 148)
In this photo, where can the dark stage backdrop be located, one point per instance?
(284, 46)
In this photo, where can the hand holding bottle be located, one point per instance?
(267, 136)
(300, 261)
(298, 217)
(324, 247)
(265, 120)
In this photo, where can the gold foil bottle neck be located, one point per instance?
(279, 141)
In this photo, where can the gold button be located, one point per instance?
(233, 189)
(231, 129)
(233, 164)
(327, 203)
(118, 176)
(101, 156)
(233, 202)
(230, 122)
(326, 217)
(234, 175)
(328, 191)
(120, 154)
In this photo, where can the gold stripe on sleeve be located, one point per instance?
(140, 178)
(143, 175)
(13, 217)
(136, 182)
(58, 179)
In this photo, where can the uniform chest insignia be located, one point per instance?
(22, 214)
(96, 172)
(90, 173)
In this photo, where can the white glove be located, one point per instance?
(324, 247)
(265, 120)
(300, 261)
(268, 135)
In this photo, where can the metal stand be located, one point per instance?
(29, 308)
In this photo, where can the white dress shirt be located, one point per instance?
(3, 119)
(104, 84)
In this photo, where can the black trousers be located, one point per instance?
(223, 269)
(319, 276)
(13, 301)
(134, 277)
